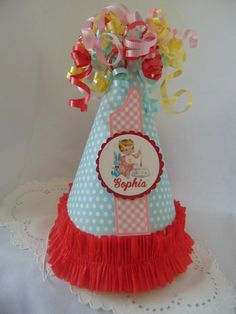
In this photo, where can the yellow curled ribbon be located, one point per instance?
(74, 71)
(159, 26)
(114, 25)
(166, 101)
(99, 82)
(175, 57)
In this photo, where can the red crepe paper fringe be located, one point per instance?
(118, 263)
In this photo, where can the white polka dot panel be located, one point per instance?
(90, 206)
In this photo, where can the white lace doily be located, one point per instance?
(29, 212)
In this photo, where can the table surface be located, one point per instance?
(23, 290)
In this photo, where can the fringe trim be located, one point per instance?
(118, 263)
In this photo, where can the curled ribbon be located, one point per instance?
(175, 56)
(120, 78)
(150, 104)
(159, 25)
(182, 35)
(138, 47)
(115, 43)
(168, 102)
(114, 24)
(100, 82)
(170, 42)
(152, 67)
(83, 68)
(115, 37)
(174, 52)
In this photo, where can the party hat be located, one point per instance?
(118, 227)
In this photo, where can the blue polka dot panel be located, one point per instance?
(90, 206)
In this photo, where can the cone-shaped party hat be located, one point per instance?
(118, 228)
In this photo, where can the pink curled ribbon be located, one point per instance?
(117, 47)
(138, 47)
(183, 35)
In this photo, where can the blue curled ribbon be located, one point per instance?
(121, 79)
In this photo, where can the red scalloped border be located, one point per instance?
(158, 179)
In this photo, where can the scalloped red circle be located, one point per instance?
(131, 171)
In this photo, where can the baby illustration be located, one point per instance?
(128, 157)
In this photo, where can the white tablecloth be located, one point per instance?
(30, 211)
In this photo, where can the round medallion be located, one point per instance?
(129, 165)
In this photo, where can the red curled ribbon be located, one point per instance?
(82, 60)
(152, 67)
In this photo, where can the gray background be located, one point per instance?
(41, 137)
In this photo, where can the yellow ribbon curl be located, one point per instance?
(174, 56)
(99, 82)
(114, 25)
(174, 53)
(159, 25)
(166, 101)
(74, 71)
